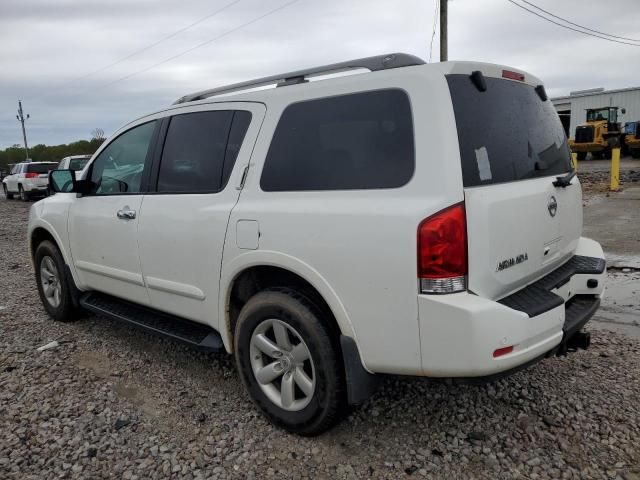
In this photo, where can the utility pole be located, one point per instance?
(443, 31)
(22, 118)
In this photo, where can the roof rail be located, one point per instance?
(373, 64)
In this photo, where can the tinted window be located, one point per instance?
(200, 149)
(506, 133)
(239, 127)
(357, 141)
(78, 163)
(41, 167)
(118, 169)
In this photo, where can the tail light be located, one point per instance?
(31, 175)
(442, 251)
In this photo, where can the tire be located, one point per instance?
(60, 307)
(7, 195)
(24, 196)
(582, 156)
(321, 404)
(635, 153)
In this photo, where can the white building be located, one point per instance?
(572, 108)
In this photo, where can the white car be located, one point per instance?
(413, 220)
(27, 179)
(74, 162)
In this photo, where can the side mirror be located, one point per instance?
(623, 111)
(64, 181)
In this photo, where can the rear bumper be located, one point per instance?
(33, 187)
(460, 332)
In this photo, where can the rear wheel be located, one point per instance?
(54, 287)
(582, 156)
(289, 362)
(24, 196)
(7, 195)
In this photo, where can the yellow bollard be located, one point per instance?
(574, 161)
(615, 170)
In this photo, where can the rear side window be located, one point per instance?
(506, 133)
(200, 150)
(40, 167)
(348, 142)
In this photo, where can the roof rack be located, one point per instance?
(373, 64)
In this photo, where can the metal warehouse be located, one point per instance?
(572, 108)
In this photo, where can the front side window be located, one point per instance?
(356, 141)
(118, 169)
(200, 149)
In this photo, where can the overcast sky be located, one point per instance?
(46, 45)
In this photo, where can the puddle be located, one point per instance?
(622, 261)
(621, 302)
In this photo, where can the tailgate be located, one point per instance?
(514, 239)
(512, 148)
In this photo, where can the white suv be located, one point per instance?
(414, 220)
(74, 162)
(27, 179)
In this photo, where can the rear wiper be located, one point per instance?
(564, 181)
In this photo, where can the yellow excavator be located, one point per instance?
(599, 134)
(632, 139)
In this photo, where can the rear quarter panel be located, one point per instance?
(359, 245)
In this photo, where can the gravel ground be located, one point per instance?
(112, 402)
(596, 181)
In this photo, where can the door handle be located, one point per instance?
(126, 214)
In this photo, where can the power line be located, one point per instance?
(571, 28)
(435, 25)
(207, 42)
(578, 25)
(144, 49)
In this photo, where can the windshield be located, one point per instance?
(78, 163)
(40, 167)
(506, 133)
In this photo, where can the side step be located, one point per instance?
(197, 335)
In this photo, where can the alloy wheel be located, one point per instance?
(50, 281)
(282, 365)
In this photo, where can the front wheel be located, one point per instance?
(54, 286)
(24, 196)
(290, 362)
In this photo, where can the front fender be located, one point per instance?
(51, 214)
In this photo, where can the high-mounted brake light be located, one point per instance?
(513, 75)
(442, 251)
(31, 175)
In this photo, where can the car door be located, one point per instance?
(12, 179)
(103, 223)
(199, 170)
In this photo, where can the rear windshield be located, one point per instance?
(78, 163)
(41, 167)
(506, 133)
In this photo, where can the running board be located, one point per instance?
(197, 335)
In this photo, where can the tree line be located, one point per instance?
(48, 153)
